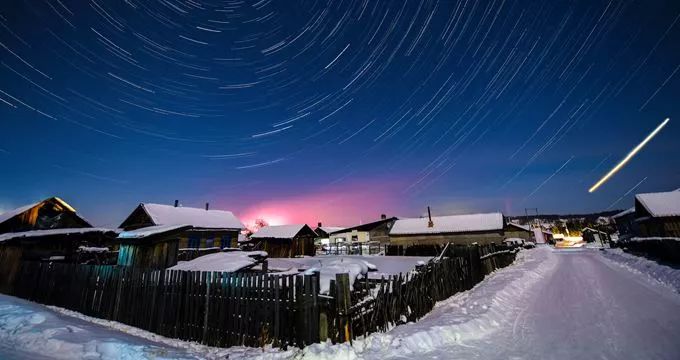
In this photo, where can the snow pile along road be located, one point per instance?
(663, 274)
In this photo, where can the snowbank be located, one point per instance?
(231, 261)
(656, 272)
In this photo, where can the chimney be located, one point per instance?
(429, 216)
(383, 217)
(176, 203)
(319, 225)
(207, 206)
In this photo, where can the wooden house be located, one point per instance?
(593, 235)
(323, 232)
(517, 231)
(625, 224)
(285, 240)
(49, 230)
(457, 229)
(208, 228)
(658, 214)
(151, 247)
(376, 231)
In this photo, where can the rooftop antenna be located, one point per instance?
(429, 216)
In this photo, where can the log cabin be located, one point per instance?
(280, 241)
(518, 231)
(376, 231)
(208, 228)
(49, 230)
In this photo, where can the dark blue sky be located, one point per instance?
(336, 111)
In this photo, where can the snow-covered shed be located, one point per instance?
(209, 228)
(285, 240)
(458, 229)
(658, 214)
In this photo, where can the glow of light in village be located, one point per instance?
(630, 155)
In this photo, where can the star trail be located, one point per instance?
(358, 107)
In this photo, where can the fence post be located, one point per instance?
(207, 306)
(343, 301)
(116, 305)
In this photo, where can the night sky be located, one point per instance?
(336, 111)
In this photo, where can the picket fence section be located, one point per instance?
(255, 309)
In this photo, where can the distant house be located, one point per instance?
(208, 228)
(625, 224)
(594, 235)
(323, 232)
(658, 214)
(49, 230)
(517, 231)
(151, 247)
(377, 231)
(457, 229)
(285, 240)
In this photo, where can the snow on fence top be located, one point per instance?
(231, 261)
(449, 224)
(149, 231)
(661, 204)
(41, 233)
(278, 231)
(198, 218)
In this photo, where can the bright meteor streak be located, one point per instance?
(630, 155)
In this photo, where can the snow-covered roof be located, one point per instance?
(624, 212)
(12, 213)
(150, 230)
(330, 229)
(522, 227)
(278, 231)
(449, 224)
(41, 233)
(661, 204)
(198, 218)
(231, 261)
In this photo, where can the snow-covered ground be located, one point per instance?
(580, 304)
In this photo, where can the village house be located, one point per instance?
(376, 231)
(208, 228)
(658, 214)
(593, 235)
(440, 230)
(323, 232)
(281, 241)
(518, 231)
(625, 224)
(49, 230)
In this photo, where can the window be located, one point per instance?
(194, 241)
(226, 241)
(210, 241)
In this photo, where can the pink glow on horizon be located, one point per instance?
(333, 206)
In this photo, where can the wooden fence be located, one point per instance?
(254, 309)
(217, 309)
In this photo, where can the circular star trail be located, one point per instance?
(466, 105)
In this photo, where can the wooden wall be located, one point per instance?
(443, 239)
(221, 239)
(160, 255)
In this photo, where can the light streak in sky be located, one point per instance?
(630, 155)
